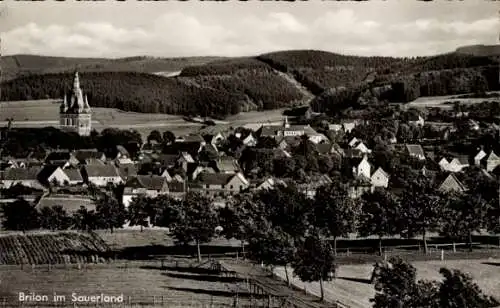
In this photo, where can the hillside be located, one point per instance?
(22, 65)
(480, 50)
(51, 247)
(328, 81)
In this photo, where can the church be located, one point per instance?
(75, 114)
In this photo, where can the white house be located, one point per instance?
(147, 185)
(101, 175)
(380, 178)
(363, 168)
(479, 157)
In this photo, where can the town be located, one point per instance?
(387, 171)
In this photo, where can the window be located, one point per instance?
(223, 186)
(207, 186)
(231, 187)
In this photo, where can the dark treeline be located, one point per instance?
(20, 142)
(130, 92)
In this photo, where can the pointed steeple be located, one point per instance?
(64, 105)
(76, 82)
(285, 123)
(86, 106)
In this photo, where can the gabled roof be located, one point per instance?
(121, 149)
(126, 171)
(191, 139)
(492, 156)
(187, 157)
(451, 183)
(46, 172)
(214, 178)
(101, 171)
(167, 160)
(227, 164)
(150, 182)
(381, 171)
(73, 174)
(415, 149)
(22, 174)
(324, 148)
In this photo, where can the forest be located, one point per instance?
(228, 86)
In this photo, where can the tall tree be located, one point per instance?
(314, 261)
(137, 211)
(198, 220)
(20, 215)
(155, 135)
(421, 209)
(54, 218)
(85, 220)
(168, 137)
(273, 247)
(458, 290)
(110, 212)
(334, 212)
(464, 214)
(380, 211)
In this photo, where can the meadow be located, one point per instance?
(352, 286)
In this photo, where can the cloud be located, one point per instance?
(182, 34)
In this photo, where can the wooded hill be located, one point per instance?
(229, 85)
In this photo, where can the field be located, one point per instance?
(50, 247)
(41, 113)
(352, 285)
(439, 101)
(139, 284)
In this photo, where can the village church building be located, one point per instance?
(75, 114)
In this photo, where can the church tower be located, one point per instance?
(75, 114)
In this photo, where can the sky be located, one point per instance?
(233, 28)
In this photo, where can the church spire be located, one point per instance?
(64, 105)
(76, 82)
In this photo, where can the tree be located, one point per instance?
(138, 211)
(54, 218)
(20, 215)
(396, 287)
(458, 290)
(380, 211)
(168, 137)
(110, 212)
(421, 209)
(272, 246)
(198, 220)
(464, 214)
(334, 212)
(85, 220)
(155, 135)
(314, 261)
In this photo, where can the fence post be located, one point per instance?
(442, 254)
(454, 248)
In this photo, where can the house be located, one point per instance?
(416, 120)
(456, 164)
(337, 128)
(25, 176)
(83, 157)
(122, 156)
(147, 185)
(287, 130)
(491, 162)
(227, 164)
(184, 160)
(349, 126)
(191, 138)
(196, 169)
(359, 187)
(416, 151)
(127, 171)
(248, 140)
(214, 138)
(101, 175)
(473, 125)
(269, 184)
(310, 188)
(60, 158)
(53, 175)
(380, 178)
(443, 163)
(479, 157)
(451, 183)
(361, 167)
(74, 176)
(359, 145)
(221, 183)
(353, 142)
(329, 148)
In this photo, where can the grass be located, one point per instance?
(352, 286)
(138, 283)
(42, 113)
(439, 101)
